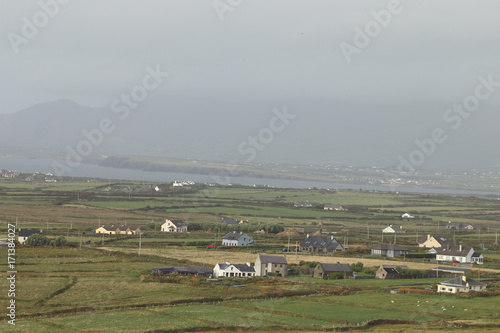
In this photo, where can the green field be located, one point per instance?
(83, 288)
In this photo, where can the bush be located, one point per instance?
(60, 241)
(336, 276)
(37, 240)
(357, 267)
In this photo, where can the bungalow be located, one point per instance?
(233, 270)
(25, 233)
(338, 208)
(185, 270)
(320, 245)
(236, 239)
(302, 204)
(388, 272)
(460, 284)
(388, 250)
(407, 216)
(174, 226)
(271, 264)
(112, 230)
(324, 270)
(229, 221)
(461, 253)
(394, 230)
(459, 226)
(428, 241)
(468, 226)
(129, 230)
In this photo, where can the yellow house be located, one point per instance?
(129, 230)
(108, 230)
(461, 284)
(428, 241)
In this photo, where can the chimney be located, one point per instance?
(464, 278)
(332, 237)
(460, 248)
(248, 264)
(401, 227)
(428, 236)
(307, 236)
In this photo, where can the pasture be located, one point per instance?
(105, 286)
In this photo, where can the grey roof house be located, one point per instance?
(320, 245)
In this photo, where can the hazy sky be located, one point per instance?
(90, 51)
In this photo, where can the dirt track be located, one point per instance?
(211, 258)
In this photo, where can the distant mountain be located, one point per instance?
(321, 132)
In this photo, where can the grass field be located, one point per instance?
(109, 289)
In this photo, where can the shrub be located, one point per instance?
(357, 267)
(37, 240)
(336, 276)
(60, 241)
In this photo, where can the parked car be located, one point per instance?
(455, 262)
(211, 246)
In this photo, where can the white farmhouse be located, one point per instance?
(236, 239)
(174, 226)
(460, 254)
(233, 270)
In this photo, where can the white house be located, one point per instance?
(460, 284)
(233, 270)
(407, 216)
(236, 239)
(461, 253)
(174, 226)
(394, 230)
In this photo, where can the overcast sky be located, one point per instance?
(90, 51)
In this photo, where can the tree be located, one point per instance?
(357, 267)
(60, 241)
(37, 240)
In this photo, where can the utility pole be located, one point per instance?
(102, 238)
(416, 237)
(368, 227)
(496, 238)
(140, 244)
